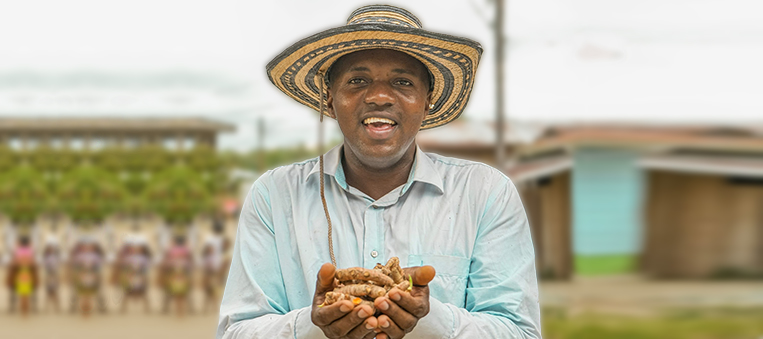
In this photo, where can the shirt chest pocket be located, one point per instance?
(449, 284)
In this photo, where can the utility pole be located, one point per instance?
(499, 59)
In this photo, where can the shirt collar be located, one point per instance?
(332, 165)
(423, 169)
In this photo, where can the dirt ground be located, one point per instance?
(634, 295)
(112, 326)
(625, 295)
(45, 323)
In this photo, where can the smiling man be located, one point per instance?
(379, 98)
(377, 195)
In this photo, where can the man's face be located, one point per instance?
(379, 98)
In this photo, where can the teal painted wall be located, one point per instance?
(607, 190)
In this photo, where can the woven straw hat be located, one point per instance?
(452, 61)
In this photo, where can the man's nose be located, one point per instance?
(380, 93)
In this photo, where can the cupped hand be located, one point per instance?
(402, 310)
(341, 319)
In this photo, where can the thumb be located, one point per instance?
(325, 281)
(423, 275)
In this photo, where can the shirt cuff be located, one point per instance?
(439, 323)
(304, 327)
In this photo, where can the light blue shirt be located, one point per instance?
(464, 218)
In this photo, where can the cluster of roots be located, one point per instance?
(362, 286)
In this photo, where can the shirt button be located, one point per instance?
(374, 254)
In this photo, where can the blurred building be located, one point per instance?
(90, 110)
(475, 140)
(81, 134)
(686, 201)
(96, 133)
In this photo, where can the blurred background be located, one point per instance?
(131, 131)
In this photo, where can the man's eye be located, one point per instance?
(356, 81)
(404, 82)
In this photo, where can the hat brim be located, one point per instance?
(451, 60)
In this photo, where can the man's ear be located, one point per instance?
(330, 104)
(429, 101)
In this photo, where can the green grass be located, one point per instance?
(687, 324)
(604, 264)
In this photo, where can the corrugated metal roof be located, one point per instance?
(718, 165)
(476, 134)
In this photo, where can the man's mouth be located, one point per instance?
(378, 122)
(379, 128)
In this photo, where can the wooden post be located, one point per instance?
(261, 145)
(499, 114)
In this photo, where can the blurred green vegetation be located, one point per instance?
(589, 265)
(675, 324)
(177, 194)
(89, 186)
(89, 194)
(268, 159)
(23, 195)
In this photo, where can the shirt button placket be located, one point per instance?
(372, 240)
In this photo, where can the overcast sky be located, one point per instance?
(679, 61)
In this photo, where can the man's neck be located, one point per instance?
(377, 182)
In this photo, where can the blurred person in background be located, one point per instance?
(22, 276)
(51, 264)
(175, 276)
(214, 266)
(85, 269)
(130, 272)
(377, 195)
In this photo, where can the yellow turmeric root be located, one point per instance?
(362, 286)
(395, 271)
(362, 290)
(332, 297)
(383, 269)
(361, 274)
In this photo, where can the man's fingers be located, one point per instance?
(390, 328)
(325, 281)
(328, 314)
(423, 275)
(344, 325)
(364, 330)
(416, 302)
(403, 318)
(420, 275)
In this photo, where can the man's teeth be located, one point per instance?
(375, 120)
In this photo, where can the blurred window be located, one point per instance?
(131, 143)
(14, 143)
(32, 143)
(189, 143)
(97, 143)
(76, 143)
(170, 143)
(56, 143)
